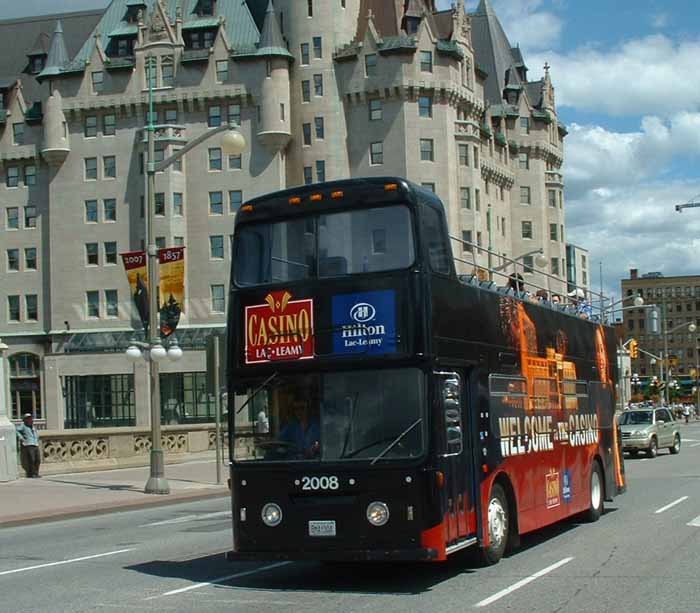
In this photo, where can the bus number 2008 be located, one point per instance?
(319, 483)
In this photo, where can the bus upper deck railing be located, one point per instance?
(574, 301)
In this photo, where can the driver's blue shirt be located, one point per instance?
(294, 433)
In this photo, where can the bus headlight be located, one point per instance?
(271, 515)
(377, 513)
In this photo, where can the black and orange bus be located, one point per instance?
(382, 407)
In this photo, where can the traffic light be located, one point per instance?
(634, 349)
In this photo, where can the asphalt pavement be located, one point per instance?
(643, 554)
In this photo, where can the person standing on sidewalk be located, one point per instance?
(28, 437)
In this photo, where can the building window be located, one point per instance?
(30, 216)
(305, 57)
(306, 133)
(528, 264)
(178, 206)
(91, 254)
(425, 107)
(93, 303)
(167, 72)
(320, 171)
(426, 61)
(215, 159)
(111, 303)
(318, 85)
(111, 252)
(466, 241)
(234, 114)
(475, 157)
(308, 175)
(525, 125)
(235, 200)
(109, 167)
(12, 218)
(160, 242)
(426, 150)
(179, 241)
(235, 162)
(375, 109)
(371, 65)
(554, 266)
(214, 117)
(527, 229)
(18, 133)
(503, 226)
(91, 169)
(429, 186)
(218, 299)
(13, 313)
(91, 211)
(13, 260)
(216, 247)
(30, 174)
(553, 232)
(552, 198)
(463, 151)
(90, 126)
(465, 197)
(376, 153)
(216, 203)
(30, 258)
(305, 91)
(523, 161)
(320, 127)
(98, 80)
(318, 47)
(524, 195)
(477, 199)
(109, 125)
(110, 209)
(159, 204)
(12, 177)
(478, 239)
(561, 234)
(221, 71)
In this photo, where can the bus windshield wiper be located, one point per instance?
(255, 393)
(391, 445)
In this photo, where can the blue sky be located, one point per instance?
(626, 80)
(625, 75)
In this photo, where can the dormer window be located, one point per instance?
(205, 8)
(411, 24)
(122, 46)
(36, 63)
(132, 10)
(200, 39)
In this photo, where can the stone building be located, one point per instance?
(321, 89)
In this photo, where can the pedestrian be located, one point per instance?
(686, 412)
(28, 437)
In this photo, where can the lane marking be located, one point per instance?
(187, 518)
(644, 460)
(246, 573)
(695, 445)
(695, 523)
(671, 504)
(522, 583)
(98, 555)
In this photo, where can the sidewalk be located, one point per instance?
(64, 496)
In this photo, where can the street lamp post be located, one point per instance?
(233, 143)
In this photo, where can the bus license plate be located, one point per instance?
(321, 528)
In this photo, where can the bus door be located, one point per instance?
(455, 452)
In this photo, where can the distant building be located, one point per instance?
(577, 267)
(678, 299)
(321, 89)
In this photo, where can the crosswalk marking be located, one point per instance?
(695, 523)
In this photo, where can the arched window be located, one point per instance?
(25, 385)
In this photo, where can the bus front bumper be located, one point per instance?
(352, 555)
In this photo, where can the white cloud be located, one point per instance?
(649, 75)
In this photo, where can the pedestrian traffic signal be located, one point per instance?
(634, 349)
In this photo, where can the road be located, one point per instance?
(643, 554)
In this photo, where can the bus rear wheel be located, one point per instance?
(498, 519)
(596, 494)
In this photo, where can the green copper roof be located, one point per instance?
(128, 29)
(398, 43)
(206, 22)
(450, 47)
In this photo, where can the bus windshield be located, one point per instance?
(341, 416)
(322, 246)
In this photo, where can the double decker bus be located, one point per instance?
(383, 407)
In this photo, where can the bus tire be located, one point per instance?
(596, 493)
(498, 524)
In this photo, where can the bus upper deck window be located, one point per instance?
(435, 239)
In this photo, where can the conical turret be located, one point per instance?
(57, 59)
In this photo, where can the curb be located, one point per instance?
(97, 509)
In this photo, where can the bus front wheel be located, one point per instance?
(498, 518)
(596, 494)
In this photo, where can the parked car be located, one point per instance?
(648, 430)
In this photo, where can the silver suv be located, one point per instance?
(649, 429)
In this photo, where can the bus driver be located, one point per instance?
(302, 430)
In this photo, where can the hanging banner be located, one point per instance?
(171, 288)
(137, 274)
